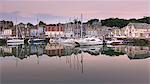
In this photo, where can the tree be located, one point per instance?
(41, 23)
(144, 20)
(29, 25)
(92, 21)
(114, 22)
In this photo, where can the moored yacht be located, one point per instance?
(114, 42)
(36, 41)
(15, 41)
(89, 41)
(67, 42)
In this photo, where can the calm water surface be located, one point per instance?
(58, 64)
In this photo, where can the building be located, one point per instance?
(137, 30)
(132, 30)
(7, 29)
(37, 31)
(92, 29)
(69, 30)
(54, 30)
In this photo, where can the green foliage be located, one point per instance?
(77, 21)
(144, 20)
(92, 21)
(114, 22)
(41, 23)
(29, 25)
(112, 52)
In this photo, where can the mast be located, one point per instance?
(17, 35)
(81, 27)
(37, 27)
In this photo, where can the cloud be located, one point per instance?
(48, 18)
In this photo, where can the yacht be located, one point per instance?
(15, 41)
(67, 42)
(114, 42)
(89, 41)
(36, 41)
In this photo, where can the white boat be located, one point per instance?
(89, 41)
(114, 41)
(67, 42)
(15, 41)
(36, 41)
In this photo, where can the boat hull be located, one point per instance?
(15, 41)
(89, 42)
(36, 41)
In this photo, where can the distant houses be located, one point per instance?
(7, 28)
(132, 30)
(54, 30)
(73, 30)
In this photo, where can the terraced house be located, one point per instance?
(137, 30)
(132, 30)
(54, 30)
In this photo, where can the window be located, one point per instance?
(57, 28)
(49, 28)
(61, 29)
(53, 29)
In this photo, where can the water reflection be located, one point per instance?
(51, 50)
(58, 64)
(134, 52)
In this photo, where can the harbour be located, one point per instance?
(54, 62)
(74, 41)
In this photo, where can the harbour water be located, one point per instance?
(58, 64)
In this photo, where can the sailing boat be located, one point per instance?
(15, 40)
(89, 40)
(67, 41)
(37, 40)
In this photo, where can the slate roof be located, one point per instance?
(140, 25)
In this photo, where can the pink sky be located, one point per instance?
(100, 9)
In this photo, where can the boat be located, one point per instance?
(36, 41)
(67, 42)
(114, 42)
(89, 41)
(15, 40)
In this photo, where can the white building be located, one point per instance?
(132, 30)
(137, 30)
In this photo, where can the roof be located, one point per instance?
(140, 25)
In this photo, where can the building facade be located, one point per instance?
(54, 30)
(132, 30)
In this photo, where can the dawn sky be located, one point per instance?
(54, 11)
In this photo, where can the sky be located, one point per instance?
(61, 11)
